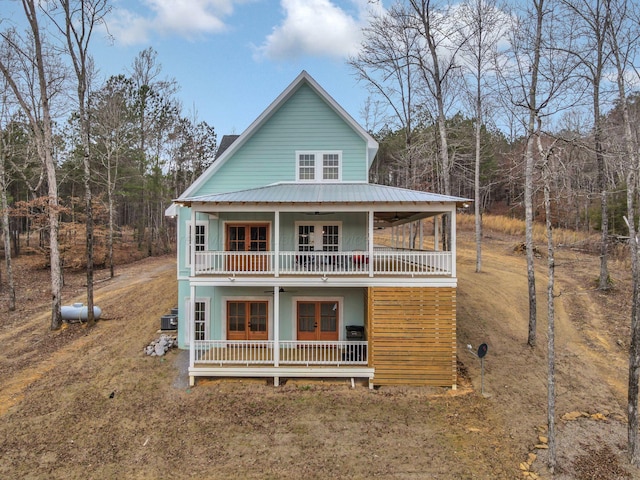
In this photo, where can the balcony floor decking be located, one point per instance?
(266, 371)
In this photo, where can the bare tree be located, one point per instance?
(537, 78)
(77, 24)
(591, 25)
(386, 65)
(622, 37)
(437, 65)
(486, 27)
(4, 206)
(24, 57)
(546, 154)
(113, 125)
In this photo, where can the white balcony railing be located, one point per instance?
(384, 262)
(308, 353)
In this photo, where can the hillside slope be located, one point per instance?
(592, 338)
(74, 402)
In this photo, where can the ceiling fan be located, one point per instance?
(281, 290)
(318, 214)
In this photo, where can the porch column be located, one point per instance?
(453, 240)
(192, 327)
(192, 241)
(276, 243)
(370, 246)
(276, 326)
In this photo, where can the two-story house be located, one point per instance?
(279, 271)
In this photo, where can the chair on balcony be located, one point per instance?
(360, 259)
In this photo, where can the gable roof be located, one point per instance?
(303, 78)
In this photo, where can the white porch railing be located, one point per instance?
(385, 262)
(308, 353)
(234, 352)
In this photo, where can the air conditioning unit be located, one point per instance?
(169, 322)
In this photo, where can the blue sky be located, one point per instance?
(231, 58)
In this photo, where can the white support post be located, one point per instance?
(452, 221)
(192, 327)
(192, 242)
(276, 243)
(370, 246)
(276, 326)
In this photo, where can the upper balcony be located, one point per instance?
(381, 262)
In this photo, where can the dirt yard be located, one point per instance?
(88, 404)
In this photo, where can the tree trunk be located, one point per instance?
(79, 21)
(45, 147)
(6, 234)
(632, 191)
(551, 361)
(532, 131)
(477, 211)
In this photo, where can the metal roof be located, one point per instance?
(324, 193)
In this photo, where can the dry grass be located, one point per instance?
(515, 227)
(499, 225)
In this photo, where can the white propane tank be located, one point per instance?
(79, 311)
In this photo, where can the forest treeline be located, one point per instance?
(144, 151)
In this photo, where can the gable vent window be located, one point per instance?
(318, 166)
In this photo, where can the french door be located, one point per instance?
(247, 320)
(317, 320)
(247, 238)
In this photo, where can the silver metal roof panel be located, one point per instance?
(324, 193)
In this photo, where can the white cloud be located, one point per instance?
(186, 18)
(316, 28)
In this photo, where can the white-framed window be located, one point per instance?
(201, 239)
(200, 321)
(318, 166)
(318, 236)
(199, 328)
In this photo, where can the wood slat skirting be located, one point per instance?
(412, 335)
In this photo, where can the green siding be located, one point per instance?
(352, 301)
(304, 122)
